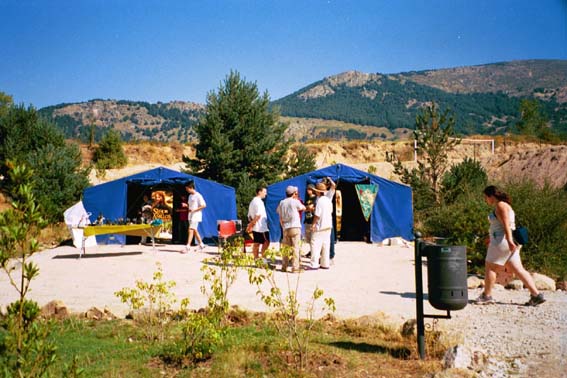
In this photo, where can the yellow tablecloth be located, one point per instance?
(128, 229)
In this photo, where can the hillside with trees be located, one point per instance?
(484, 99)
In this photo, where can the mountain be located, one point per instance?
(485, 99)
(135, 120)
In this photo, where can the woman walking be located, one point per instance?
(503, 252)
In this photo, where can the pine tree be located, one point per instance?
(435, 138)
(241, 140)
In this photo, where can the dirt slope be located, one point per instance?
(510, 160)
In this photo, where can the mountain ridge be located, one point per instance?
(484, 98)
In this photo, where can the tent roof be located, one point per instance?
(110, 197)
(392, 211)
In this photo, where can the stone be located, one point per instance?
(543, 282)
(474, 282)
(515, 285)
(457, 357)
(55, 309)
(94, 314)
(108, 315)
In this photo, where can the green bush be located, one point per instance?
(25, 138)
(109, 153)
(462, 222)
(468, 175)
(543, 210)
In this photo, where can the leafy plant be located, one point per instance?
(435, 137)
(286, 307)
(26, 347)
(157, 298)
(109, 153)
(466, 176)
(58, 179)
(220, 272)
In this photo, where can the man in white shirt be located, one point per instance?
(196, 203)
(321, 227)
(258, 222)
(288, 210)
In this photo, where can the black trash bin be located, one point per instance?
(447, 276)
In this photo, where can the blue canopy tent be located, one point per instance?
(392, 212)
(122, 198)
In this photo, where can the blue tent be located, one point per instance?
(392, 213)
(122, 198)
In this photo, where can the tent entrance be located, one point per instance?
(166, 199)
(353, 226)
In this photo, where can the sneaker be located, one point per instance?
(484, 299)
(185, 249)
(535, 300)
(202, 246)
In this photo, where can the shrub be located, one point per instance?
(58, 179)
(468, 175)
(462, 222)
(109, 153)
(543, 210)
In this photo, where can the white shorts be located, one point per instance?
(193, 224)
(498, 251)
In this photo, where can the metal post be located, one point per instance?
(419, 298)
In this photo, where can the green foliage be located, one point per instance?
(109, 153)
(532, 121)
(286, 307)
(435, 137)
(26, 139)
(543, 210)
(220, 272)
(25, 345)
(463, 220)
(201, 337)
(301, 161)
(241, 141)
(467, 176)
(156, 297)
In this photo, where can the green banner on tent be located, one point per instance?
(366, 196)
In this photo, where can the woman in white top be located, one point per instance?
(503, 252)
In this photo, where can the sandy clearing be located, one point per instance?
(366, 278)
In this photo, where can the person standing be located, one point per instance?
(182, 220)
(503, 252)
(310, 201)
(196, 203)
(289, 209)
(331, 189)
(321, 228)
(258, 222)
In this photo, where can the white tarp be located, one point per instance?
(76, 216)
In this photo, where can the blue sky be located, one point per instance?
(55, 51)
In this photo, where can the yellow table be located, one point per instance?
(129, 229)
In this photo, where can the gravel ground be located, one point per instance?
(519, 341)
